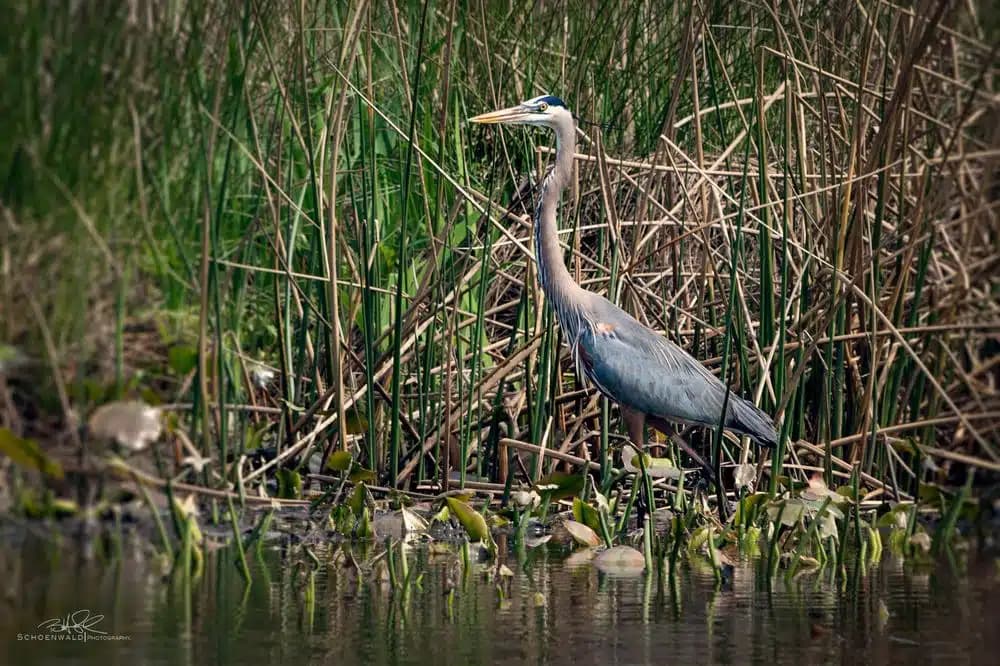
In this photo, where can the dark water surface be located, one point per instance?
(554, 610)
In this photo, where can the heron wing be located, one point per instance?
(635, 367)
(641, 369)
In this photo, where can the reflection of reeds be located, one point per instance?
(807, 205)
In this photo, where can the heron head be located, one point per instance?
(546, 110)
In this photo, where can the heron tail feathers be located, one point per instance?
(746, 419)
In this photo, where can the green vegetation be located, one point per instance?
(272, 220)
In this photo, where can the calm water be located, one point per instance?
(555, 610)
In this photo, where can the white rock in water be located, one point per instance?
(133, 424)
(620, 560)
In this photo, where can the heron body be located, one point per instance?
(653, 380)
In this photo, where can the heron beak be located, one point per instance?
(513, 114)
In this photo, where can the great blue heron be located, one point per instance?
(653, 380)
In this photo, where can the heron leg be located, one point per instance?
(665, 428)
(636, 424)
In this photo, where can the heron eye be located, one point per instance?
(542, 106)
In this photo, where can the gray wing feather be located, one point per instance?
(643, 370)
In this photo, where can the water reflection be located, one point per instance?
(552, 610)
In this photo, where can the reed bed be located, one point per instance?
(274, 217)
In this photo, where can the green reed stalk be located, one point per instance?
(401, 260)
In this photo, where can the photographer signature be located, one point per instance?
(79, 622)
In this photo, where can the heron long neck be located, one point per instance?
(558, 285)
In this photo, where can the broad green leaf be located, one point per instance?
(356, 422)
(897, 517)
(182, 359)
(365, 529)
(339, 461)
(186, 512)
(793, 509)
(561, 485)
(358, 499)
(471, 520)
(26, 453)
(586, 514)
(828, 525)
(699, 538)
(599, 499)
(289, 484)
(361, 475)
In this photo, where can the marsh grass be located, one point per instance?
(803, 197)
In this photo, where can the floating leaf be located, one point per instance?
(62, 507)
(471, 520)
(582, 534)
(43, 505)
(27, 453)
(339, 461)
